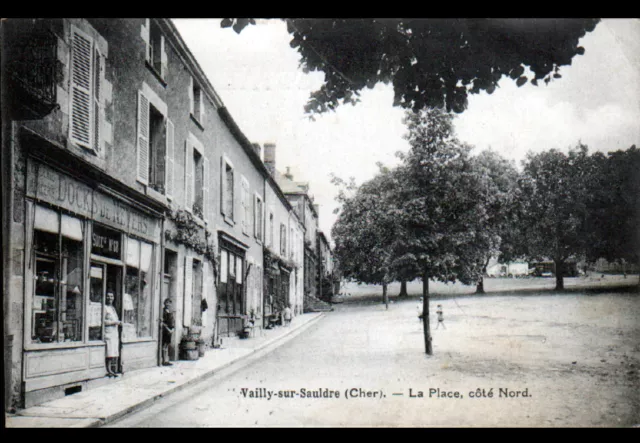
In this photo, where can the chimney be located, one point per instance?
(270, 158)
(258, 149)
(288, 174)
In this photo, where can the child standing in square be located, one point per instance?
(440, 317)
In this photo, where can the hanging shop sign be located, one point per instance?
(46, 184)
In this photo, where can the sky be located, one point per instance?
(596, 102)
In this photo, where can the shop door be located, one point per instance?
(104, 278)
(231, 297)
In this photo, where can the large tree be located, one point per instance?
(429, 62)
(613, 220)
(498, 179)
(440, 207)
(365, 229)
(555, 195)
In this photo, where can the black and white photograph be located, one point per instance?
(321, 222)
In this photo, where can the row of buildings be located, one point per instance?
(123, 171)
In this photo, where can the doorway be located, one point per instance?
(104, 277)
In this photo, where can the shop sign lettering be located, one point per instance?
(110, 245)
(61, 190)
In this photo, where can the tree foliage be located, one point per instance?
(555, 199)
(442, 209)
(498, 179)
(430, 62)
(365, 228)
(614, 210)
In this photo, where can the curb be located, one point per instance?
(273, 343)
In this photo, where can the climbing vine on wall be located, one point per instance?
(192, 235)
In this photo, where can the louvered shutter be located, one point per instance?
(169, 158)
(205, 188)
(191, 98)
(82, 78)
(201, 114)
(223, 185)
(188, 176)
(143, 138)
(188, 290)
(163, 58)
(147, 40)
(243, 203)
(97, 116)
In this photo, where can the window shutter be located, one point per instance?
(163, 58)
(205, 188)
(191, 98)
(247, 206)
(99, 68)
(169, 158)
(147, 40)
(255, 216)
(233, 209)
(82, 78)
(188, 290)
(143, 138)
(243, 202)
(188, 176)
(201, 114)
(223, 185)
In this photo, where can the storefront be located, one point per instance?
(231, 287)
(82, 242)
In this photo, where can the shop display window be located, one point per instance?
(137, 300)
(57, 308)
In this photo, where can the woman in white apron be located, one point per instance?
(111, 323)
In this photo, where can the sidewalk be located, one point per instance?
(139, 389)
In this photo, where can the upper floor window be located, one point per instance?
(196, 100)
(198, 182)
(227, 190)
(156, 55)
(245, 199)
(271, 233)
(257, 217)
(155, 156)
(196, 178)
(87, 70)
(283, 240)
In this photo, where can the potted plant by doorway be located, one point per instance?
(189, 346)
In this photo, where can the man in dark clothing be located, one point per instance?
(168, 325)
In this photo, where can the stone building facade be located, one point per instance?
(123, 172)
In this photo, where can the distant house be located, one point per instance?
(511, 269)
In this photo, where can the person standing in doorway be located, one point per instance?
(111, 323)
(168, 325)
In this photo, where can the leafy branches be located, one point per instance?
(429, 62)
(191, 234)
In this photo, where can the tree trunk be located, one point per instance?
(385, 296)
(559, 275)
(403, 289)
(425, 314)
(480, 284)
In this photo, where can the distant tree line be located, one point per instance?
(443, 213)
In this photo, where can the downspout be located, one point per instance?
(162, 295)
